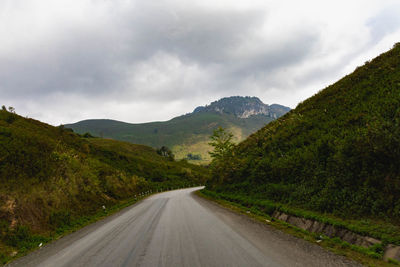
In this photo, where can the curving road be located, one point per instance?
(177, 228)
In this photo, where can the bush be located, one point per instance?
(87, 135)
(10, 117)
(18, 236)
(60, 219)
(3, 258)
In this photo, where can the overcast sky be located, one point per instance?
(138, 61)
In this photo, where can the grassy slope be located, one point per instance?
(50, 177)
(338, 152)
(185, 134)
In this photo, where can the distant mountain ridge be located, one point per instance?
(189, 133)
(243, 107)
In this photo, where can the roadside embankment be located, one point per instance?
(376, 240)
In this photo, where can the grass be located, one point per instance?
(199, 145)
(369, 257)
(196, 147)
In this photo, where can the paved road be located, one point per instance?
(177, 228)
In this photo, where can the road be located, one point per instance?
(178, 228)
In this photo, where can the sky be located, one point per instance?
(63, 61)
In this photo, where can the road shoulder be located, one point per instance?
(281, 234)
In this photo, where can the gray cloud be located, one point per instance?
(194, 34)
(385, 22)
(89, 62)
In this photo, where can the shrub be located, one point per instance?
(60, 219)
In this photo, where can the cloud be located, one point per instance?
(63, 61)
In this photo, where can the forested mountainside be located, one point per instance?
(336, 152)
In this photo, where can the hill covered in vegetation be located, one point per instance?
(189, 134)
(51, 178)
(338, 152)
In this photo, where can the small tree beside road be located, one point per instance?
(222, 155)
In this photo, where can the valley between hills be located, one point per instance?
(188, 135)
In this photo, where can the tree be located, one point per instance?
(87, 135)
(166, 152)
(191, 156)
(221, 141)
(222, 157)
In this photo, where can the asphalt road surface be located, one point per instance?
(178, 228)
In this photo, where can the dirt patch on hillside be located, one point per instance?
(7, 210)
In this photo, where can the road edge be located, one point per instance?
(329, 244)
(96, 220)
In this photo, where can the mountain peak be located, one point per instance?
(243, 107)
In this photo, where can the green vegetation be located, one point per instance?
(189, 133)
(191, 156)
(222, 154)
(221, 141)
(338, 152)
(165, 152)
(53, 181)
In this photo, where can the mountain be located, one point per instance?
(189, 134)
(337, 152)
(52, 179)
(243, 107)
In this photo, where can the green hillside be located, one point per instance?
(338, 152)
(53, 179)
(190, 133)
